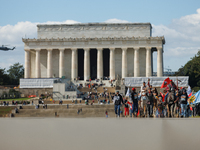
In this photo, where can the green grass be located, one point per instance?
(5, 110)
(15, 99)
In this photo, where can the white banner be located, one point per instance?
(155, 81)
(37, 83)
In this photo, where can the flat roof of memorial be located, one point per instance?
(94, 24)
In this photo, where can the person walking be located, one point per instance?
(126, 107)
(117, 101)
(150, 102)
(170, 100)
(143, 102)
(183, 102)
(134, 98)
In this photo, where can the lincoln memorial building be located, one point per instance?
(93, 50)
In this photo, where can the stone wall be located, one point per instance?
(55, 63)
(68, 62)
(130, 62)
(33, 91)
(43, 63)
(92, 30)
(118, 62)
(142, 61)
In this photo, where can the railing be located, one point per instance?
(57, 97)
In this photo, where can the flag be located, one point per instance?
(192, 99)
(195, 98)
(190, 94)
(128, 93)
(189, 91)
(130, 104)
(138, 112)
(165, 83)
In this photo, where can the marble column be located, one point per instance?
(99, 63)
(136, 62)
(159, 62)
(86, 64)
(112, 63)
(124, 62)
(37, 65)
(74, 64)
(27, 64)
(148, 62)
(61, 63)
(49, 63)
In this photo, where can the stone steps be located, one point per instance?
(99, 89)
(64, 112)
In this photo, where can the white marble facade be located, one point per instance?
(55, 52)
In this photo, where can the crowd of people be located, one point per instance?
(172, 102)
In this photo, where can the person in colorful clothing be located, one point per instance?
(160, 107)
(126, 107)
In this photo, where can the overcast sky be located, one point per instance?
(177, 20)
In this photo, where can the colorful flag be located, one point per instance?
(194, 99)
(165, 83)
(163, 97)
(130, 104)
(190, 94)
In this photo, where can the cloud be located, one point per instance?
(182, 39)
(116, 21)
(57, 22)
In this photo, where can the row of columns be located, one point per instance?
(74, 67)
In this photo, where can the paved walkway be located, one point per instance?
(99, 134)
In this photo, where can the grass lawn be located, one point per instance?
(15, 99)
(5, 110)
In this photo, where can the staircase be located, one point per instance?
(71, 111)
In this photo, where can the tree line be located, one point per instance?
(192, 69)
(12, 75)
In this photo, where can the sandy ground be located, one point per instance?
(99, 134)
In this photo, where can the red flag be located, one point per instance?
(163, 97)
(130, 104)
(165, 83)
(138, 112)
(190, 94)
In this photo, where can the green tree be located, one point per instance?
(4, 78)
(192, 69)
(15, 72)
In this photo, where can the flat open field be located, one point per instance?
(99, 134)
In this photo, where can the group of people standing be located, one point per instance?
(173, 102)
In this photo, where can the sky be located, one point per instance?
(177, 20)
